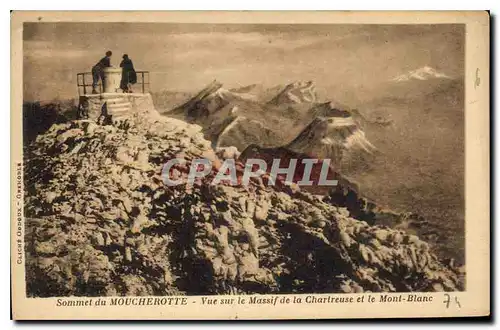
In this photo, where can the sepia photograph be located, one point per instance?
(178, 159)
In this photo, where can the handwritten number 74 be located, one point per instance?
(449, 300)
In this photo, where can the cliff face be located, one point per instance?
(100, 221)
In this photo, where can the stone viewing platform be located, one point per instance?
(111, 100)
(118, 105)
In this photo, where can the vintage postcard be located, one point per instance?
(250, 165)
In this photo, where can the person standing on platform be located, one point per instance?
(129, 76)
(98, 71)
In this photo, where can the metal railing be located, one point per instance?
(143, 81)
(84, 82)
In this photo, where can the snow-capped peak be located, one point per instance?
(424, 73)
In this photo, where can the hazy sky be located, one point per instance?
(339, 58)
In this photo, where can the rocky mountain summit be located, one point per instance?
(100, 221)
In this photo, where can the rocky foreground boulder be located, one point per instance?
(100, 221)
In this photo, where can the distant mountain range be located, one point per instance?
(289, 116)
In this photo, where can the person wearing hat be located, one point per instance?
(129, 76)
(98, 70)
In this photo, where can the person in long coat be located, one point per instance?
(129, 76)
